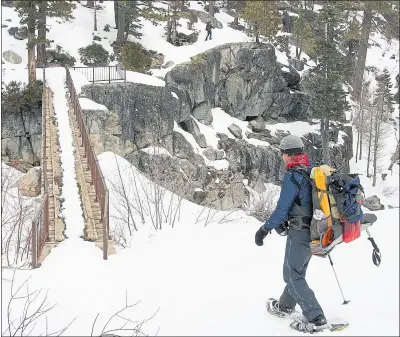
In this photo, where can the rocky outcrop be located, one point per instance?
(179, 147)
(105, 132)
(190, 125)
(244, 79)
(197, 183)
(30, 184)
(21, 137)
(145, 113)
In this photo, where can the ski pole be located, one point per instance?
(344, 300)
(376, 254)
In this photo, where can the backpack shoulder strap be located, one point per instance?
(305, 175)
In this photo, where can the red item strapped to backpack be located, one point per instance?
(351, 231)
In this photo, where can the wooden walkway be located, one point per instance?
(93, 224)
(53, 170)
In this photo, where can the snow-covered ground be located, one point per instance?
(204, 276)
(209, 280)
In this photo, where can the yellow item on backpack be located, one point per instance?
(319, 175)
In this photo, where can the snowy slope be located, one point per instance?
(205, 276)
(211, 280)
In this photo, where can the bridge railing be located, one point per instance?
(97, 176)
(103, 74)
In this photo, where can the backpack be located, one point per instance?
(337, 198)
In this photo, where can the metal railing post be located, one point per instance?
(34, 244)
(105, 228)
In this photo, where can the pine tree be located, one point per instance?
(211, 4)
(236, 7)
(359, 121)
(302, 32)
(380, 128)
(373, 11)
(351, 41)
(396, 95)
(34, 14)
(263, 19)
(28, 12)
(127, 15)
(384, 92)
(53, 9)
(327, 78)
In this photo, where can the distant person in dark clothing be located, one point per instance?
(286, 22)
(209, 26)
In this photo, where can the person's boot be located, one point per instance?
(275, 309)
(311, 326)
(319, 320)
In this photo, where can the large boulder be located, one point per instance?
(178, 146)
(235, 130)
(205, 17)
(20, 33)
(30, 184)
(12, 57)
(182, 39)
(373, 203)
(244, 79)
(190, 125)
(145, 113)
(157, 59)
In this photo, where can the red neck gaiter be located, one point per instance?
(298, 159)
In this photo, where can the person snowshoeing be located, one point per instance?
(209, 26)
(294, 209)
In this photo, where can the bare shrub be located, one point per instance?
(389, 190)
(139, 199)
(261, 205)
(26, 315)
(17, 213)
(26, 309)
(125, 324)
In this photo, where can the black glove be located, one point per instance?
(260, 236)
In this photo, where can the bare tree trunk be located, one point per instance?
(41, 47)
(116, 13)
(369, 143)
(361, 131)
(31, 50)
(362, 55)
(95, 17)
(358, 143)
(169, 24)
(325, 140)
(121, 24)
(211, 7)
(376, 140)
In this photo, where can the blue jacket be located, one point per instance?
(289, 192)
